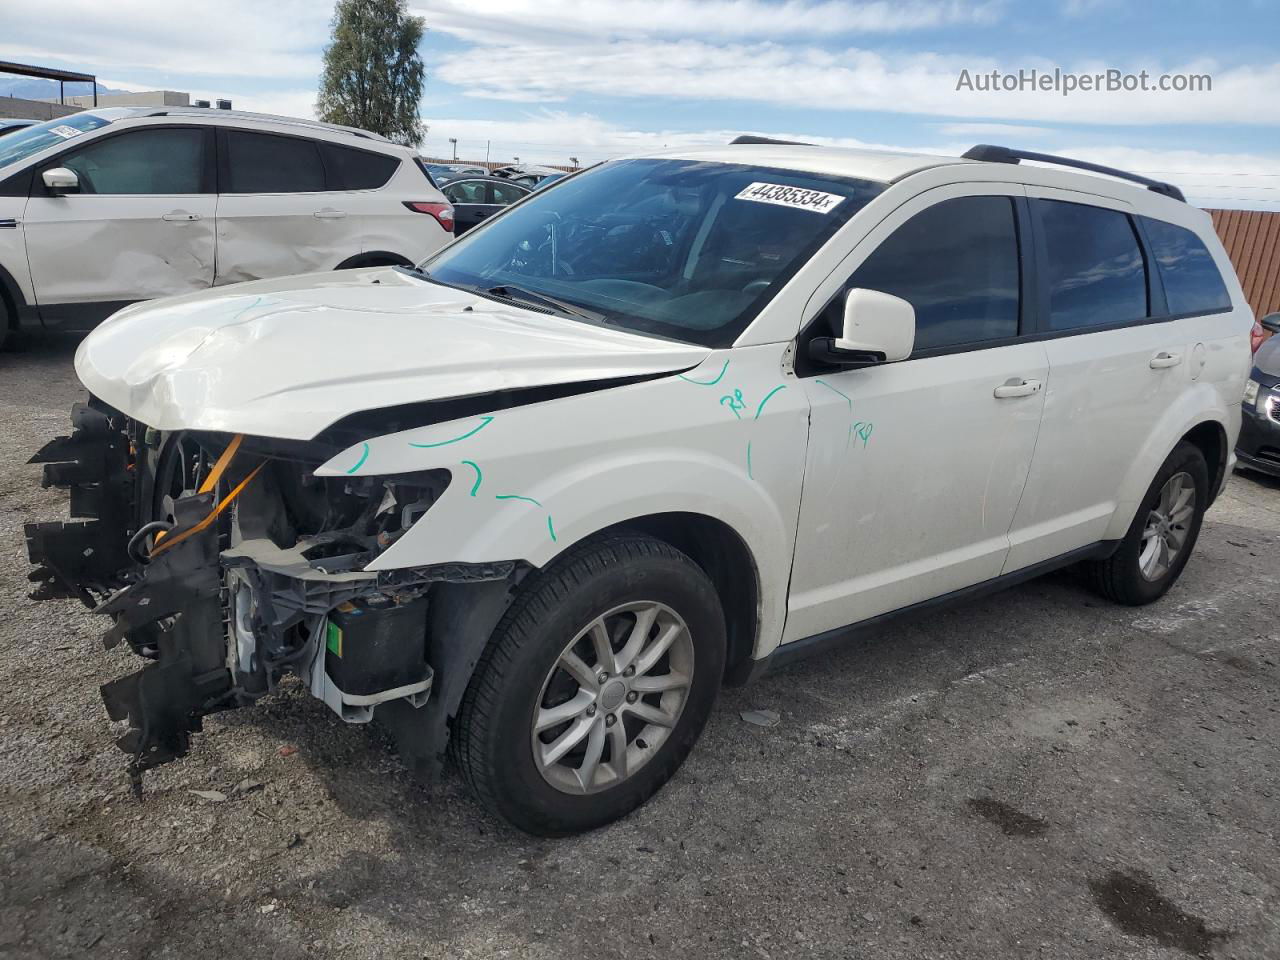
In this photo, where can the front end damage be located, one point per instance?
(228, 565)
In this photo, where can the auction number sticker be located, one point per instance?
(784, 196)
(64, 131)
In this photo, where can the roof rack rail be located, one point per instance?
(750, 138)
(994, 154)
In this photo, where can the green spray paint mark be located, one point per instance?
(749, 476)
(512, 496)
(834, 390)
(735, 402)
(760, 409)
(484, 422)
(364, 455)
(550, 529)
(864, 431)
(479, 476)
(706, 383)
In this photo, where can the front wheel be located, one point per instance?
(594, 688)
(1159, 541)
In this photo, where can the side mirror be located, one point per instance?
(1271, 322)
(61, 181)
(878, 328)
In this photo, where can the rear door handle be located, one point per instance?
(1017, 387)
(180, 216)
(329, 214)
(1162, 360)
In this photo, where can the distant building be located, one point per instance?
(143, 98)
(1252, 239)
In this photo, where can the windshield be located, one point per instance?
(677, 248)
(31, 140)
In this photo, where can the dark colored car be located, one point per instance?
(1259, 445)
(477, 198)
(444, 172)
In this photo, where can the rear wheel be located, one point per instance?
(1153, 553)
(594, 688)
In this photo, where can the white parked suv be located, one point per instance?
(107, 207)
(678, 420)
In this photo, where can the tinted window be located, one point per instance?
(351, 169)
(143, 161)
(1096, 272)
(505, 193)
(1192, 283)
(266, 163)
(957, 264)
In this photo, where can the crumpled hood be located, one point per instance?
(286, 358)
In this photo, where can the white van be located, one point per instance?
(107, 207)
(675, 421)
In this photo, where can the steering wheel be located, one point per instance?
(757, 287)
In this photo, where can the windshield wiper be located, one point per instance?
(509, 292)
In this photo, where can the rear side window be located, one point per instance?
(352, 169)
(465, 191)
(266, 163)
(1096, 273)
(957, 264)
(505, 193)
(1192, 283)
(165, 161)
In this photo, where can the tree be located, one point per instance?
(373, 75)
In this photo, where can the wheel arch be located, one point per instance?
(1210, 437)
(1200, 417)
(374, 258)
(726, 559)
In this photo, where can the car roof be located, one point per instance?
(882, 165)
(115, 114)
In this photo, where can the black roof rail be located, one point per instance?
(994, 154)
(751, 138)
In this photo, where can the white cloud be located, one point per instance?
(498, 20)
(1008, 130)
(233, 38)
(839, 80)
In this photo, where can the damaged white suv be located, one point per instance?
(672, 421)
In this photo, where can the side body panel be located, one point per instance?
(265, 235)
(727, 439)
(118, 248)
(385, 223)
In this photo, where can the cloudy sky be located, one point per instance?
(551, 79)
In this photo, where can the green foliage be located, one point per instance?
(373, 75)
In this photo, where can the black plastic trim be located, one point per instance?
(796, 650)
(989, 153)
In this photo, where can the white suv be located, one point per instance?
(107, 207)
(680, 419)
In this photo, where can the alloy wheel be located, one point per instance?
(612, 698)
(1167, 527)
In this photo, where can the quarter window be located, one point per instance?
(352, 169)
(1096, 273)
(957, 264)
(164, 161)
(1192, 283)
(266, 163)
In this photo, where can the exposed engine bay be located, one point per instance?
(227, 564)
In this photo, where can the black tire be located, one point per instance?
(491, 741)
(1119, 578)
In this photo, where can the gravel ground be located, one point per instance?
(1038, 773)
